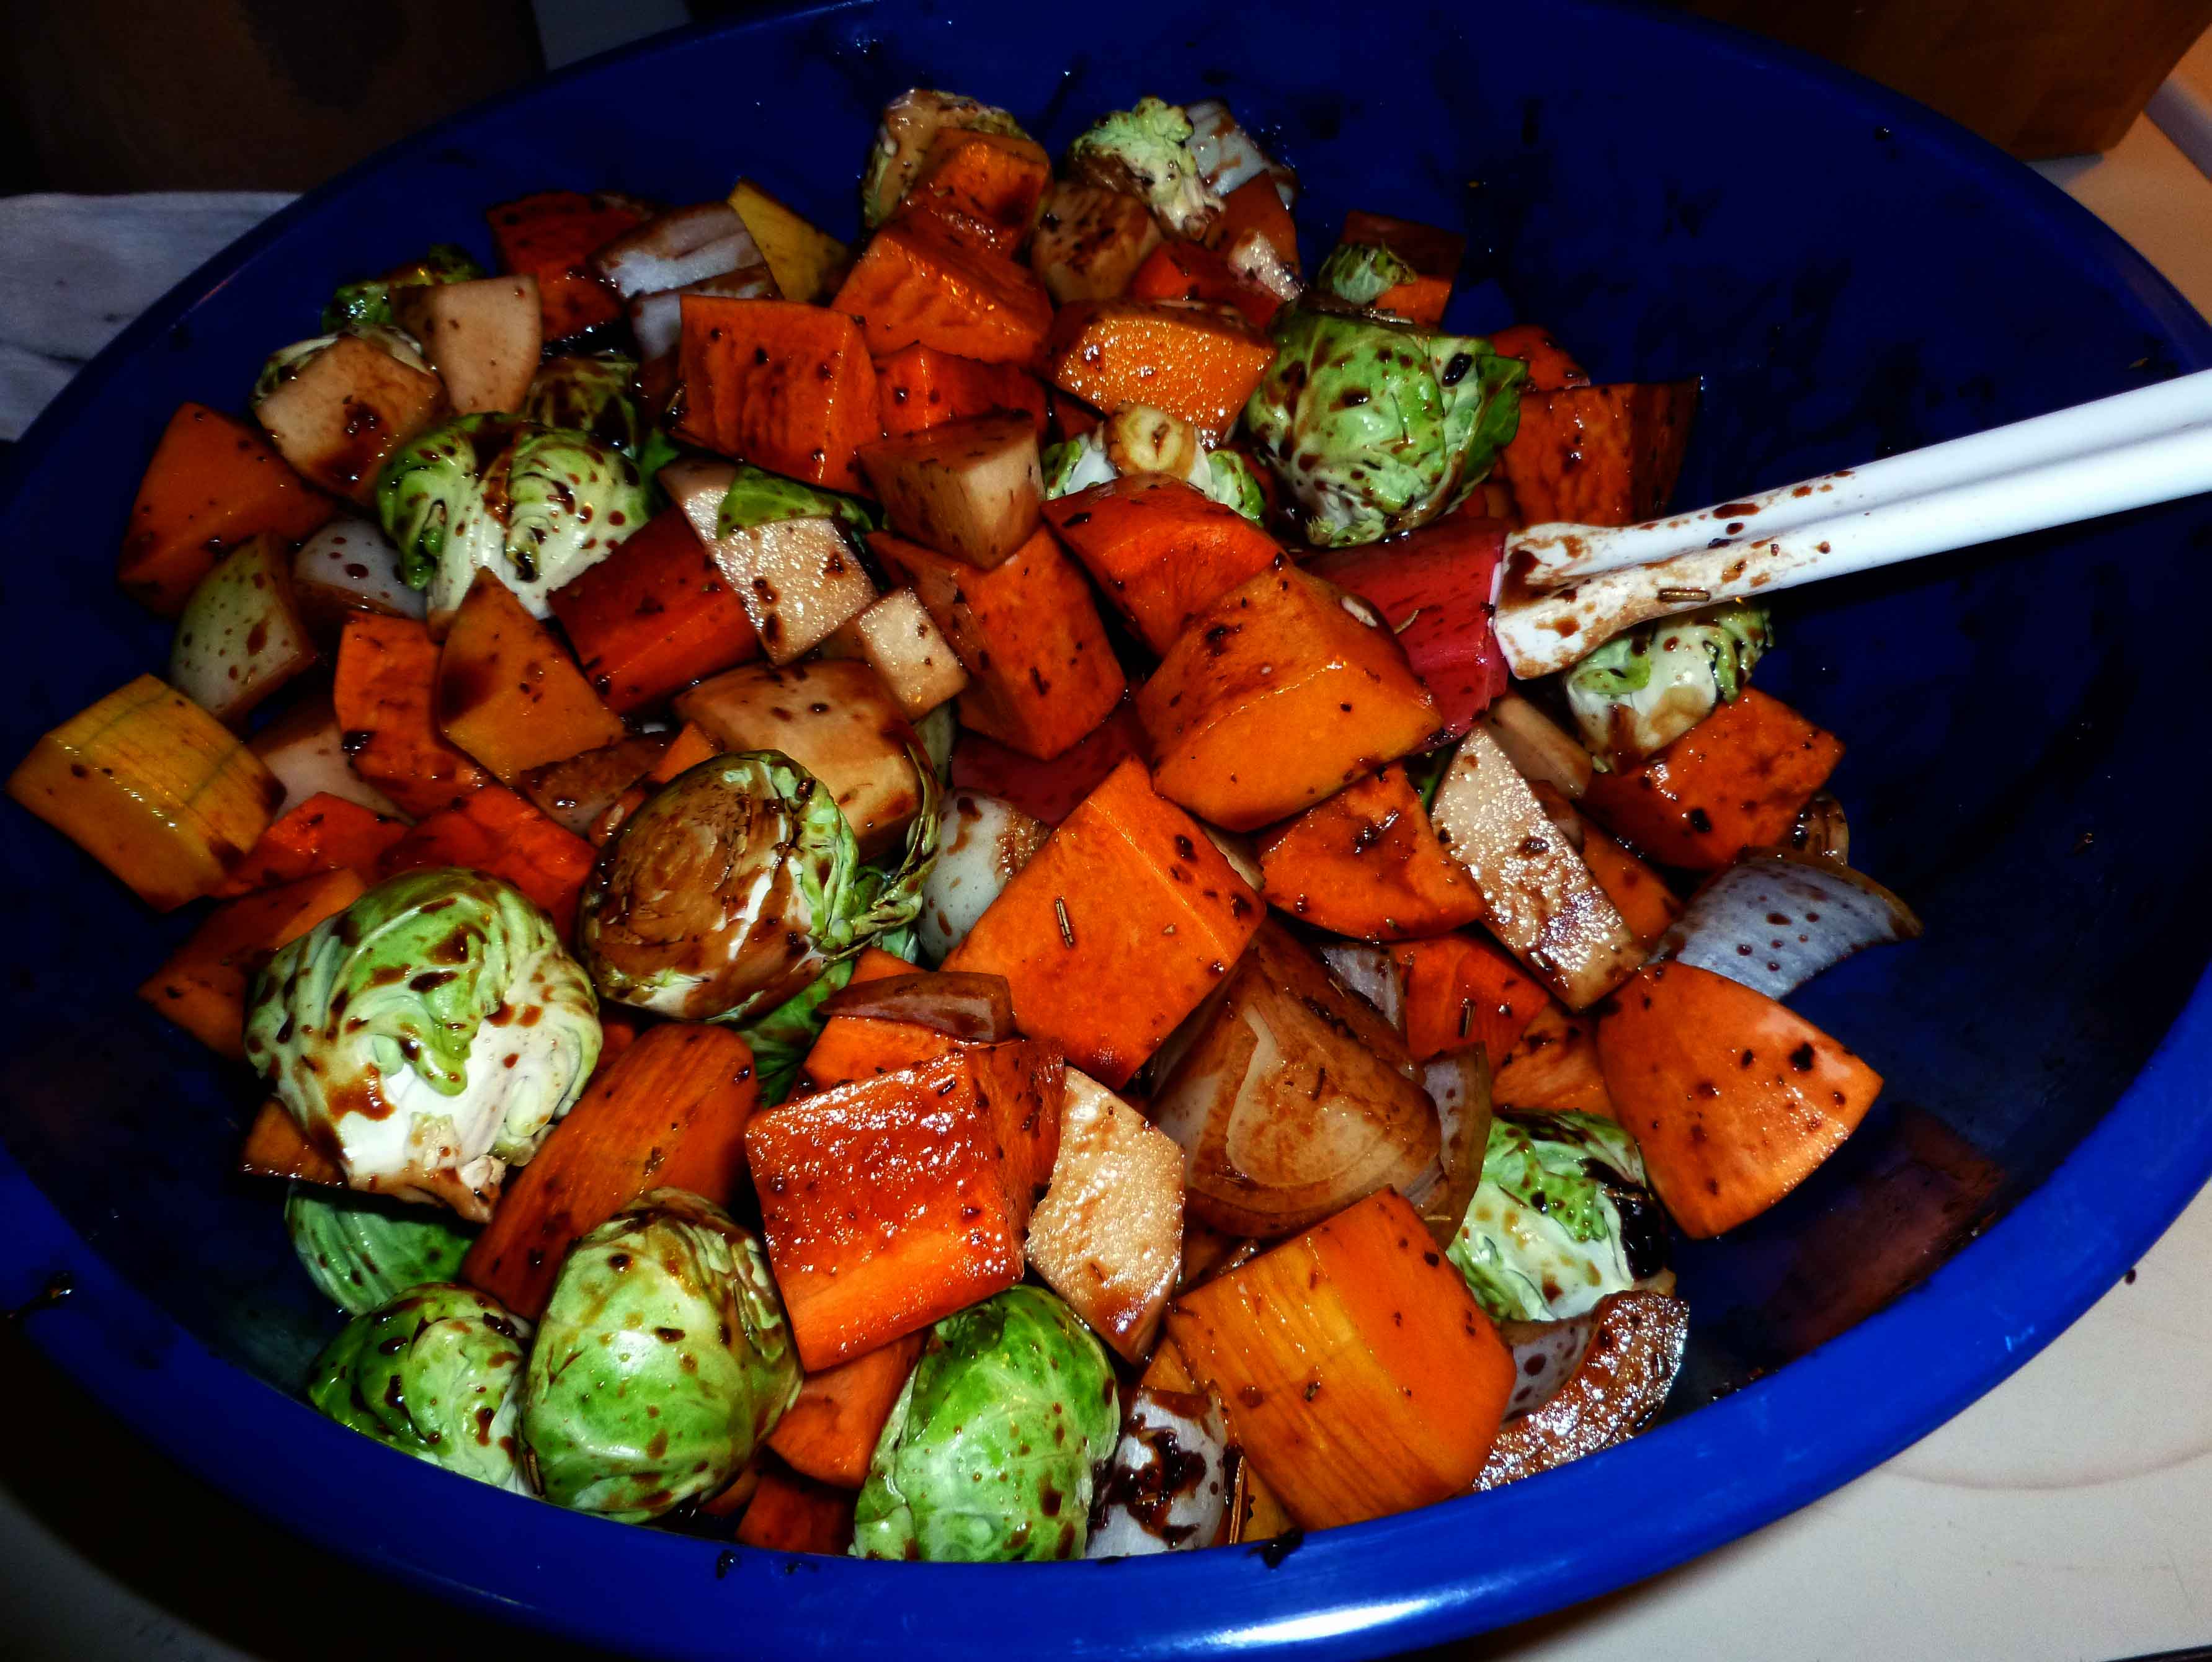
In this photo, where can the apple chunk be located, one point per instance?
(350, 565)
(799, 580)
(349, 410)
(970, 488)
(482, 338)
(240, 637)
(1089, 241)
(898, 639)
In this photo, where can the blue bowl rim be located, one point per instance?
(1419, 1578)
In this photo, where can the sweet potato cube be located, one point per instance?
(1435, 255)
(1198, 362)
(506, 691)
(797, 579)
(496, 831)
(1108, 1236)
(323, 833)
(920, 387)
(482, 338)
(350, 408)
(913, 284)
(275, 1146)
(1117, 929)
(153, 788)
(829, 1434)
(1191, 271)
(1048, 792)
(551, 236)
(1462, 991)
(1366, 862)
(653, 616)
(980, 187)
(1160, 550)
(789, 1513)
(1599, 455)
(1357, 1372)
(787, 387)
(576, 792)
(1282, 692)
(893, 1201)
(202, 985)
(1091, 241)
(1646, 905)
(1551, 369)
(834, 717)
(897, 637)
(386, 699)
(212, 483)
(968, 488)
(1553, 1067)
(1041, 672)
(668, 1112)
(804, 262)
(1734, 1100)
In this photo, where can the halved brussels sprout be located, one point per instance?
(1644, 689)
(591, 396)
(369, 301)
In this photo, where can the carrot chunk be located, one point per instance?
(501, 835)
(551, 236)
(1116, 928)
(1160, 550)
(669, 1111)
(203, 984)
(1551, 368)
(851, 1047)
(789, 1513)
(923, 387)
(830, 1432)
(653, 616)
(508, 694)
(1366, 862)
(385, 697)
(913, 284)
(1599, 455)
(1190, 271)
(1646, 905)
(1462, 991)
(1198, 362)
(213, 482)
(323, 834)
(786, 387)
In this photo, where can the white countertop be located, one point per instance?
(2062, 1519)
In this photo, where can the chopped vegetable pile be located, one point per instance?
(899, 903)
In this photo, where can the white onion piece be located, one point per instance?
(1166, 1487)
(982, 841)
(349, 566)
(1458, 1084)
(680, 247)
(975, 1009)
(1607, 1371)
(1776, 919)
(656, 317)
(1541, 750)
(1372, 971)
(1238, 849)
(1228, 156)
(305, 749)
(1254, 258)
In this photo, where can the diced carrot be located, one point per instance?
(1734, 1100)
(1048, 791)
(1599, 455)
(1160, 550)
(1733, 781)
(851, 1047)
(386, 696)
(213, 483)
(1366, 862)
(323, 833)
(1551, 368)
(504, 836)
(507, 695)
(981, 185)
(1280, 694)
(1190, 271)
(1646, 905)
(913, 284)
(1460, 991)
(1042, 673)
(830, 1432)
(1257, 205)
(1553, 1066)
(786, 387)
(275, 1146)
(1435, 255)
(1198, 362)
(921, 386)
(789, 1513)
(1357, 1372)
(551, 236)
(202, 987)
(896, 1200)
(1117, 929)
(653, 616)
(669, 1111)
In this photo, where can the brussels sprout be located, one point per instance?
(736, 885)
(287, 361)
(1643, 690)
(590, 396)
(662, 1361)
(757, 497)
(1230, 481)
(428, 1036)
(780, 1040)
(1361, 273)
(1561, 1218)
(1076, 465)
(369, 301)
(988, 1452)
(1080, 463)
(435, 1372)
(361, 1251)
(535, 504)
(1147, 152)
(1376, 425)
(938, 732)
(911, 121)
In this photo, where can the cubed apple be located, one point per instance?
(350, 565)
(482, 338)
(969, 488)
(1089, 241)
(346, 412)
(799, 580)
(898, 639)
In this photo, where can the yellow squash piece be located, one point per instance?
(806, 263)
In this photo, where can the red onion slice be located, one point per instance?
(977, 1009)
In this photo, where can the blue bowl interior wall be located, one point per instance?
(1846, 287)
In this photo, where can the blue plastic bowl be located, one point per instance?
(1850, 274)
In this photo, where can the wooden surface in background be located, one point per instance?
(2040, 77)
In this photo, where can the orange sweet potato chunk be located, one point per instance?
(508, 693)
(1195, 361)
(1551, 367)
(213, 482)
(1367, 864)
(789, 1513)
(551, 236)
(787, 387)
(1282, 692)
(913, 284)
(323, 833)
(1646, 905)
(1553, 1066)
(1117, 929)
(923, 387)
(385, 696)
(1599, 455)
(1460, 991)
(1257, 205)
(830, 1432)
(202, 987)
(1042, 673)
(504, 835)
(980, 187)
(1159, 548)
(653, 616)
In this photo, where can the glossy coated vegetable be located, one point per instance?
(1166, 1487)
(1553, 1067)
(551, 236)
(1550, 367)
(1192, 271)
(1159, 548)
(240, 636)
(789, 1513)
(806, 261)
(653, 616)
(831, 1433)
(662, 1362)
(1200, 363)
(988, 1452)
(386, 703)
(591, 396)
(1641, 691)
(969, 488)
(982, 841)
(1366, 862)
(1608, 1374)
(1420, 263)
(980, 187)
(508, 693)
(369, 300)
(202, 985)
(1776, 919)
(911, 124)
(502, 835)
(1599, 455)
(897, 638)
(921, 386)
(1460, 990)
(913, 284)
(787, 386)
(361, 1251)
(1146, 151)
(339, 408)
(350, 565)
(323, 834)
(1090, 240)
(481, 336)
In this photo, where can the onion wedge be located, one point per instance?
(1777, 917)
(1166, 1487)
(982, 841)
(976, 1009)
